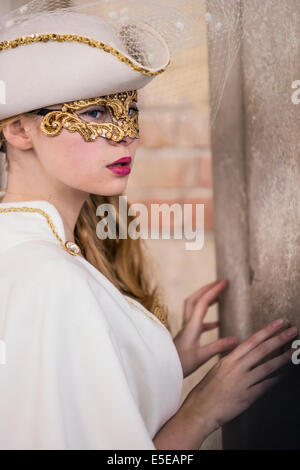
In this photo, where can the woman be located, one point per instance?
(87, 365)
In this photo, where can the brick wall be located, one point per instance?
(173, 162)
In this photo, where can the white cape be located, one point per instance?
(84, 368)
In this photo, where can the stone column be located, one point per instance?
(256, 180)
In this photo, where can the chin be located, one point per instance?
(113, 190)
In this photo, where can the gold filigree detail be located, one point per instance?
(159, 311)
(68, 246)
(33, 38)
(161, 314)
(118, 106)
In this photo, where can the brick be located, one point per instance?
(205, 171)
(157, 129)
(208, 210)
(181, 128)
(207, 201)
(170, 167)
(194, 130)
(163, 172)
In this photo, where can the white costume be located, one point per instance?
(84, 367)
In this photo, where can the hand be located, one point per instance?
(187, 341)
(236, 381)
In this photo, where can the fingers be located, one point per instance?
(192, 299)
(222, 345)
(210, 325)
(259, 389)
(262, 371)
(202, 304)
(268, 346)
(257, 338)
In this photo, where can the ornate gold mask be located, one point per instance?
(115, 121)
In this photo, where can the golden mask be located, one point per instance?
(117, 118)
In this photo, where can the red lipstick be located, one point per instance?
(120, 167)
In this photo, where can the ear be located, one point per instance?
(16, 134)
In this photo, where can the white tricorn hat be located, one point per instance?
(49, 57)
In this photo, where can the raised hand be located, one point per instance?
(192, 355)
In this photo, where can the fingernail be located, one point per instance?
(292, 331)
(278, 322)
(234, 340)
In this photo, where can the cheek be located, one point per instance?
(76, 163)
(133, 146)
(70, 158)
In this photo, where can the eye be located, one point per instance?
(133, 111)
(93, 113)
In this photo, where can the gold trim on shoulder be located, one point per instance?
(160, 312)
(69, 246)
(25, 40)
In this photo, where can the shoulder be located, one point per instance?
(46, 283)
(43, 270)
(40, 258)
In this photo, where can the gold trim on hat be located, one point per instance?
(25, 40)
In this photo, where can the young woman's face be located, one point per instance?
(83, 165)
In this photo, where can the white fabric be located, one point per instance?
(85, 369)
(48, 73)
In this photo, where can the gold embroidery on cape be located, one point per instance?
(158, 310)
(70, 247)
(25, 40)
(161, 312)
(118, 106)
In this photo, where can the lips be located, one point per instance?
(121, 166)
(122, 161)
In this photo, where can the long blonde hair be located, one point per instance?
(122, 261)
